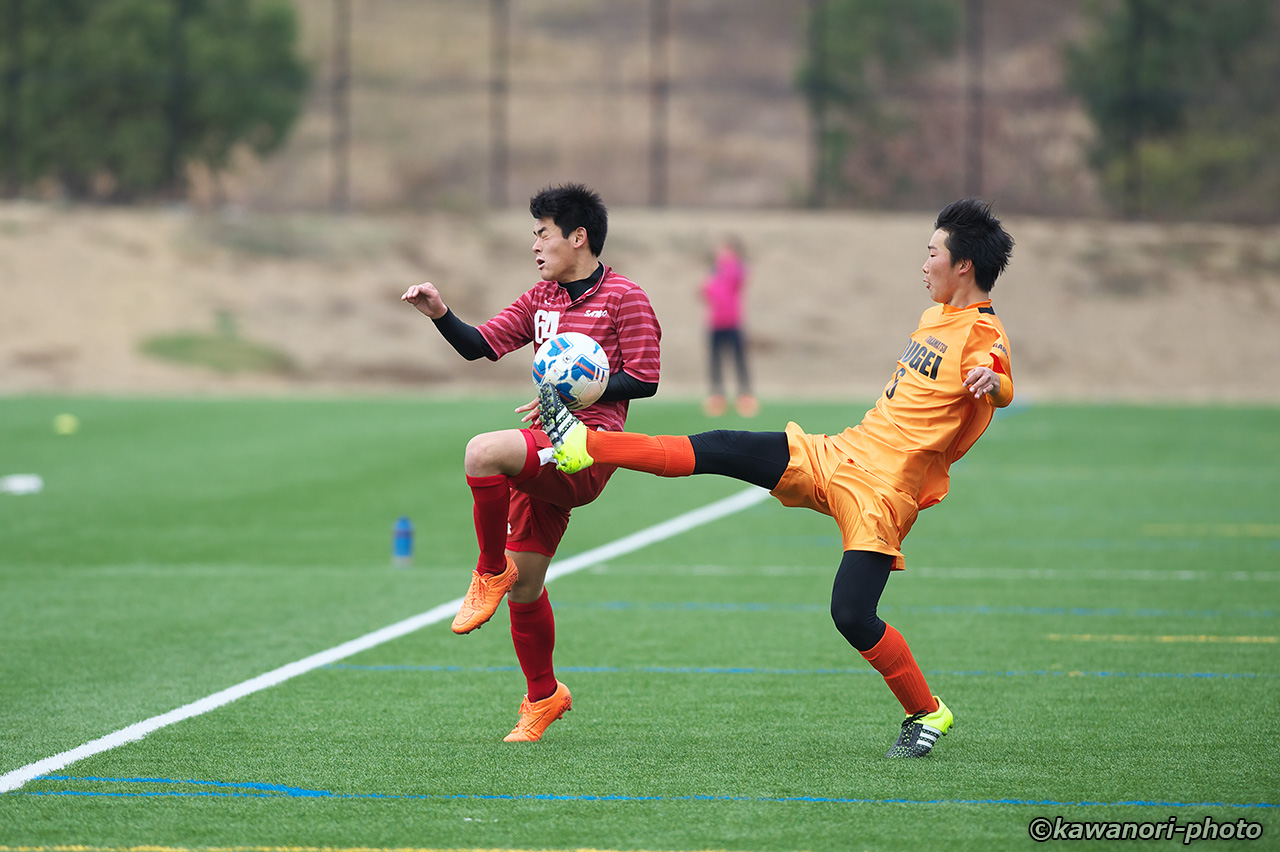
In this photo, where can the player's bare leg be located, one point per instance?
(490, 459)
(494, 453)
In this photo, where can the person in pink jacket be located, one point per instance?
(723, 291)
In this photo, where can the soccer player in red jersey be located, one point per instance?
(522, 502)
(873, 478)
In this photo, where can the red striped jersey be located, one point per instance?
(615, 312)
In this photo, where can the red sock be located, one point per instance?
(492, 497)
(533, 632)
(892, 658)
(665, 455)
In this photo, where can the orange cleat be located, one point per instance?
(483, 597)
(537, 716)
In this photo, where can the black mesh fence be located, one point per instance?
(466, 104)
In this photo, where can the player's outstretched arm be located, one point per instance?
(465, 339)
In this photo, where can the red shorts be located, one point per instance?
(542, 496)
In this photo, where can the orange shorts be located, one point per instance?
(871, 513)
(542, 497)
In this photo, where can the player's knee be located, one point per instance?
(479, 455)
(495, 453)
(857, 621)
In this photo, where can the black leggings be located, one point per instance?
(730, 339)
(756, 457)
(855, 595)
(761, 458)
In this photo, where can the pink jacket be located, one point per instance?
(723, 289)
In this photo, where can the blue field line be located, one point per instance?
(231, 789)
(753, 670)
(951, 609)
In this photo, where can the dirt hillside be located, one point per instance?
(1095, 310)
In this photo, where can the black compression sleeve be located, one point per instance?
(626, 386)
(855, 595)
(467, 339)
(756, 457)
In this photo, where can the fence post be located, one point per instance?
(818, 103)
(174, 174)
(13, 103)
(660, 92)
(973, 128)
(1136, 103)
(499, 71)
(340, 191)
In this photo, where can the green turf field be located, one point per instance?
(1097, 600)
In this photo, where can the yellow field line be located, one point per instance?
(1196, 638)
(1212, 530)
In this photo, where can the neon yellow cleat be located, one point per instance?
(921, 731)
(568, 435)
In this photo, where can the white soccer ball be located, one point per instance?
(577, 367)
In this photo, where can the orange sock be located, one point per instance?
(892, 658)
(664, 455)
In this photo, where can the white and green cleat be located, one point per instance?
(567, 433)
(921, 731)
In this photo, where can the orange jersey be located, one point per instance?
(925, 420)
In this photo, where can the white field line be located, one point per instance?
(979, 573)
(667, 529)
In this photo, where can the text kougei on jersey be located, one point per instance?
(922, 359)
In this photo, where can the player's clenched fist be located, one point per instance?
(426, 299)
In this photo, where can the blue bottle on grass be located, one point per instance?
(402, 543)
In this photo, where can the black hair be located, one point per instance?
(974, 233)
(572, 206)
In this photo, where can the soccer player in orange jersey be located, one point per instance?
(873, 478)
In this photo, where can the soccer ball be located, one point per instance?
(577, 367)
